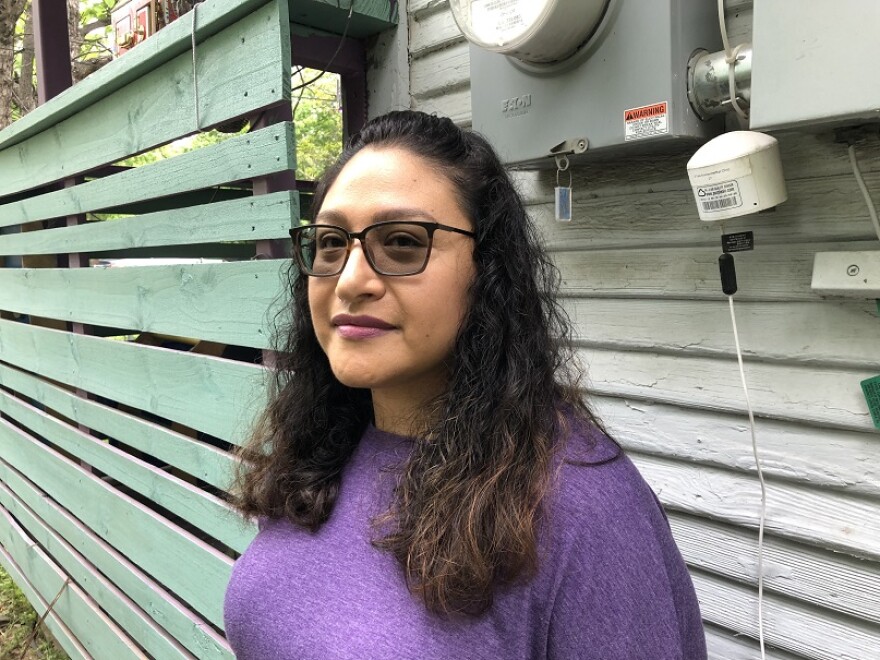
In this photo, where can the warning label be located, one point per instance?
(646, 122)
(719, 196)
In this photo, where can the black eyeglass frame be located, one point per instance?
(430, 227)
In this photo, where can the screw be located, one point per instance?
(853, 270)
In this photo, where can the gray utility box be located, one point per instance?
(624, 91)
(814, 63)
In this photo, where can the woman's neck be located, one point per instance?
(400, 413)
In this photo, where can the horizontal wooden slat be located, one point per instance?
(132, 619)
(193, 570)
(419, 7)
(202, 510)
(440, 72)
(811, 632)
(166, 610)
(240, 69)
(162, 47)
(836, 521)
(98, 634)
(248, 219)
(231, 303)
(823, 210)
(455, 105)
(53, 622)
(368, 17)
(781, 274)
(724, 644)
(217, 396)
(811, 575)
(254, 154)
(431, 32)
(829, 332)
(199, 459)
(823, 396)
(818, 175)
(794, 451)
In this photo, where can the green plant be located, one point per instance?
(17, 620)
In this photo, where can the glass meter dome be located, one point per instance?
(535, 31)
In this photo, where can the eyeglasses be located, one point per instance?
(391, 248)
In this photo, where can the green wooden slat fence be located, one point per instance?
(248, 219)
(198, 459)
(124, 391)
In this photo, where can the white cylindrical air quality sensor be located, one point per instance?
(736, 174)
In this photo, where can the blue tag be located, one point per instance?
(563, 204)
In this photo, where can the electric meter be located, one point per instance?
(535, 31)
(576, 77)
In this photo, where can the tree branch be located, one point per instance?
(83, 68)
(93, 25)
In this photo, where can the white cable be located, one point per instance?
(731, 57)
(858, 174)
(731, 82)
(742, 375)
(723, 26)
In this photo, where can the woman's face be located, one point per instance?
(393, 334)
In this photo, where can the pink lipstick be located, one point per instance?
(360, 327)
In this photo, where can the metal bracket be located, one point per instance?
(570, 146)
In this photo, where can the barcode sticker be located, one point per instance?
(719, 196)
(715, 204)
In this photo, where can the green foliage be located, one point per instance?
(96, 43)
(317, 117)
(178, 147)
(93, 44)
(318, 122)
(95, 10)
(17, 620)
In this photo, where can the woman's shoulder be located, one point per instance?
(613, 559)
(596, 483)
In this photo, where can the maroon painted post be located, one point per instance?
(272, 248)
(52, 48)
(54, 75)
(345, 57)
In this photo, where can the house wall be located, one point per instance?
(640, 281)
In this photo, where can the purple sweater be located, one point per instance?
(611, 584)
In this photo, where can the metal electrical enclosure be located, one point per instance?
(814, 63)
(625, 89)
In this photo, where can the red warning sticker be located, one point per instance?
(646, 121)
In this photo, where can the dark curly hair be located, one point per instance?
(468, 501)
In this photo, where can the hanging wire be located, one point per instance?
(335, 53)
(763, 511)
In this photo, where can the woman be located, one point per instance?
(429, 482)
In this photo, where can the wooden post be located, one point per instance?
(52, 46)
(348, 59)
(268, 248)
